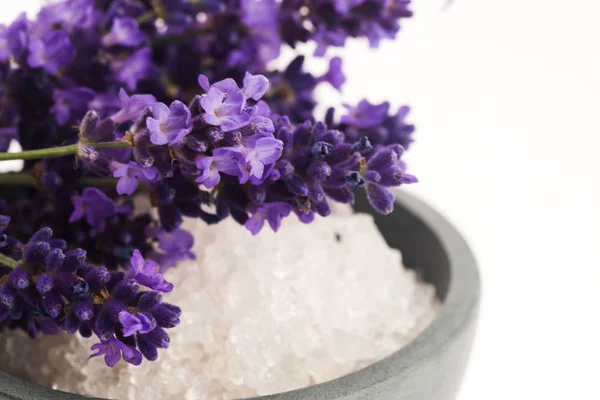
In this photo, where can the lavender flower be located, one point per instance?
(52, 52)
(170, 124)
(146, 273)
(137, 67)
(96, 208)
(175, 246)
(112, 350)
(131, 174)
(132, 106)
(124, 32)
(71, 104)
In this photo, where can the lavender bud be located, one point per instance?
(54, 259)
(319, 171)
(52, 304)
(44, 284)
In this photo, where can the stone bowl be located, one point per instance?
(428, 368)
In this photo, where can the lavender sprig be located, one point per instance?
(113, 99)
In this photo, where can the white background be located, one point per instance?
(506, 98)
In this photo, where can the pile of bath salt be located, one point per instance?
(261, 314)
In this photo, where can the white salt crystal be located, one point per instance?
(261, 314)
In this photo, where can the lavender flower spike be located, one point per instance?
(170, 124)
(146, 273)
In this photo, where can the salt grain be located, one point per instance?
(261, 314)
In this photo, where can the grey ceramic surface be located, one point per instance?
(428, 368)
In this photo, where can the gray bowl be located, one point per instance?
(428, 368)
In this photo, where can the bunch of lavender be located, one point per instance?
(173, 100)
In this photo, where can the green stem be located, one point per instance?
(59, 151)
(17, 179)
(9, 262)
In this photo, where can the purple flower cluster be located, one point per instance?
(174, 101)
(50, 289)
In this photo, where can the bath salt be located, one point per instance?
(261, 314)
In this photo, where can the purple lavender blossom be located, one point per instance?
(258, 152)
(71, 104)
(131, 174)
(139, 323)
(226, 104)
(15, 37)
(113, 348)
(96, 208)
(222, 160)
(170, 124)
(272, 213)
(124, 32)
(132, 106)
(135, 68)
(146, 273)
(52, 52)
(365, 114)
(176, 246)
(224, 109)
(335, 76)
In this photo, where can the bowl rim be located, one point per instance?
(458, 309)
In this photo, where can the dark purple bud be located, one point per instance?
(97, 277)
(54, 259)
(74, 260)
(64, 283)
(354, 180)
(141, 154)
(319, 129)
(316, 193)
(297, 186)
(170, 217)
(321, 150)
(319, 171)
(44, 284)
(157, 337)
(321, 208)
(380, 198)
(195, 144)
(8, 295)
(19, 278)
(52, 304)
(363, 146)
(112, 308)
(43, 235)
(372, 177)
(392, 178)
(88, 124)
(125, 290)
(72, 323)
(342, 194)
(81, 290)
(382, 160)
(165, 316)
(85, 330)
(149, 299)
(195, 107)
(58, 244)
(285, 168)
(215, 135)
(148, 350)
(36, 252)
(257, 194)
(104, 327)
(83, 309)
